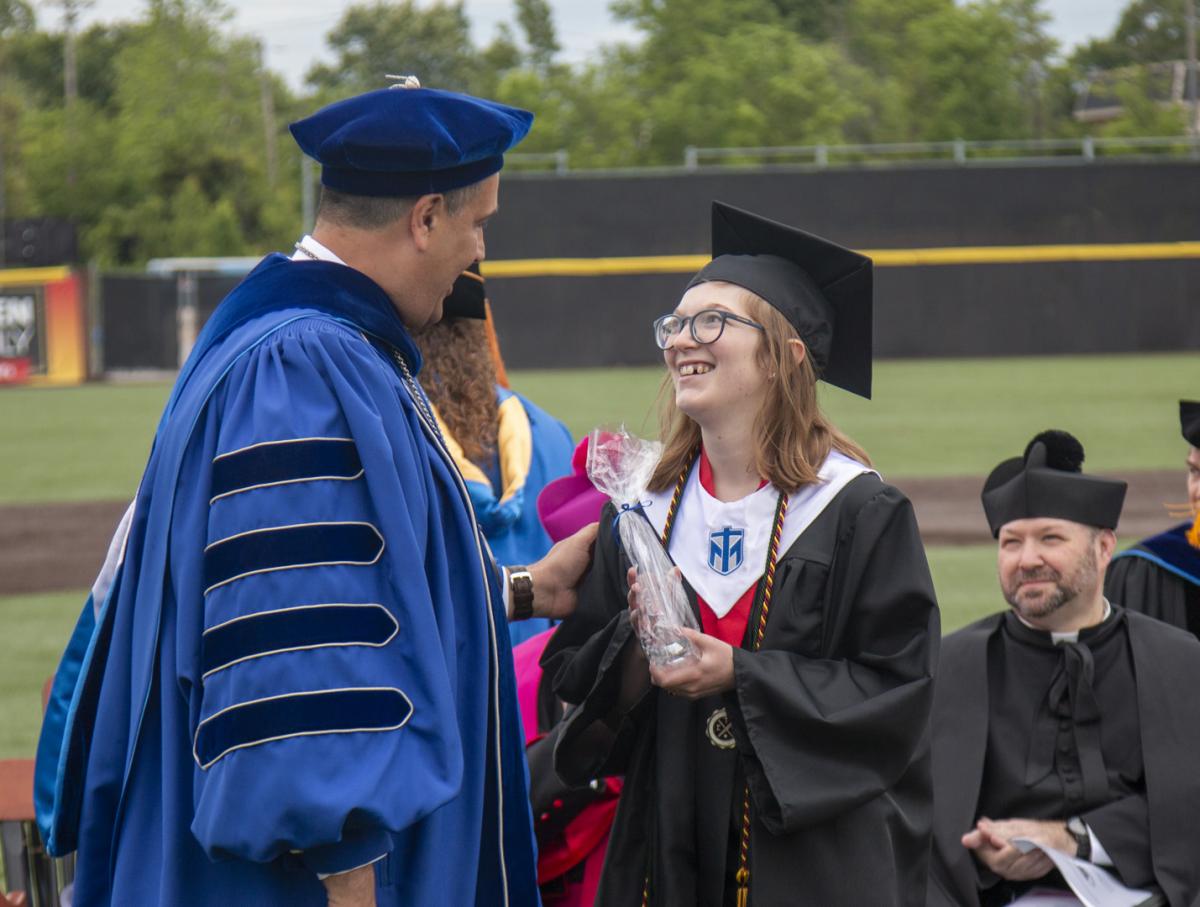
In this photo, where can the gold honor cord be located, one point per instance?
(883, 258)
(766, 588)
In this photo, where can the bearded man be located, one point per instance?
(1060, 720)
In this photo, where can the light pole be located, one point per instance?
(71, 10)
(1194, 119)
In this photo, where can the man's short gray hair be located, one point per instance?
(368, 212)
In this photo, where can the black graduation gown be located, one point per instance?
(1160, 576)
(830, 719)
(1165, 662)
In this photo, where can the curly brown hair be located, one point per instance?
(460, 378)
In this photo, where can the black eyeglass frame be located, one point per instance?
(689, 321)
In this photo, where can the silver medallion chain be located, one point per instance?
(417, 394)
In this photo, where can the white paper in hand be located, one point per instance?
(1093, 885)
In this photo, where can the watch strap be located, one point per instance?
(520, 592)
(1083, 839)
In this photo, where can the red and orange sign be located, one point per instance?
(43, 327)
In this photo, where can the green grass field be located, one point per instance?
(928, 418)
(37, 626)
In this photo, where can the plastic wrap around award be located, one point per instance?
(620, 465)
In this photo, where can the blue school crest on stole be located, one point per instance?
(725, 549)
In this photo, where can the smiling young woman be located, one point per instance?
(792, 436)
(787, 763)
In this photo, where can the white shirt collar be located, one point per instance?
(318, 251)
(1066, 635)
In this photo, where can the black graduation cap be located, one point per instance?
(1048, 481)
(823, 289)
(1189, 421)
(468, 298)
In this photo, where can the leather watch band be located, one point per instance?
(520, 591)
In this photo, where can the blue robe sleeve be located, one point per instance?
(313, 650)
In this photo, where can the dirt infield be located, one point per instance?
(49, 547)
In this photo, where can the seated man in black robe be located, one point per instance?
(1160, 576)
(1061, 720)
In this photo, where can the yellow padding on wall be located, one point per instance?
(884, 258)
(25, 276)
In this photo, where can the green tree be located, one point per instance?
(1149, 31)
(537, 23)
(15, 16)
(372, 40)
(172, 161)
(1142, 114)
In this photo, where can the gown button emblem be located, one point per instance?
(720, 730)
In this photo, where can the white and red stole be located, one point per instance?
(721, 546)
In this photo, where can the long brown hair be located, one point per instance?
(792, 436)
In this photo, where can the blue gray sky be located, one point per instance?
(294, 30)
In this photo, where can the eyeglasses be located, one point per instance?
(707, 326)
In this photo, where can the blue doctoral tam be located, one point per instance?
(405, 142)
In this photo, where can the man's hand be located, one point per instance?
(557, 575)
(990, 840)
(355, 888)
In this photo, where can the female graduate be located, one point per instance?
(789, 763)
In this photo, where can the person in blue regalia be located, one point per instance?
(1160, 576)
(506, 447)
(292, 684)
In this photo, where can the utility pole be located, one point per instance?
(3, 116)
(1194, 119)
(71, 10)
(267, 101)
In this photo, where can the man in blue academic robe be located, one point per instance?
(292, 684)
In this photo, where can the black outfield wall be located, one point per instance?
(946, 310)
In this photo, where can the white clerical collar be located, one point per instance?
(1066, 635)
(308, 249)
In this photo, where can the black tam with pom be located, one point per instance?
(1048, 481)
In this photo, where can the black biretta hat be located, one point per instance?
(1189, 421)
(821, 288)
(468, 299)
(1048, 481)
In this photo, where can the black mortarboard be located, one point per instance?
(468, 298)
(1048, 481)
(821, 288)
(1189, 421)
(403, 142)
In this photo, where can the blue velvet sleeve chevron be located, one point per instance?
(314, 646)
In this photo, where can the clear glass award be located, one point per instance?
(620, 465)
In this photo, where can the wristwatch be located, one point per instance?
(1083, 840)
(520, 592)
